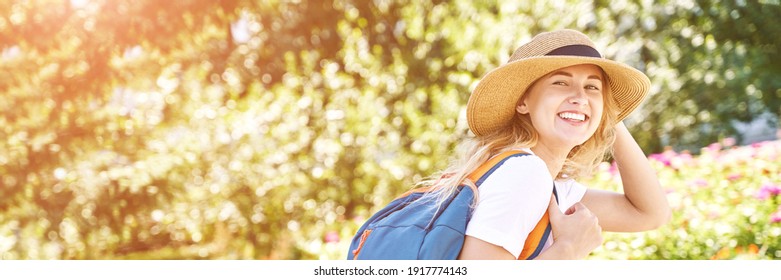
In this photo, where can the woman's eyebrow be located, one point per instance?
(567, 74)
(561, 73)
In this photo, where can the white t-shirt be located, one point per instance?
(514, 198)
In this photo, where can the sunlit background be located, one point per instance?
(227, 129)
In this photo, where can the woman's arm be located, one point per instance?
(643, 205)
(477, 249)
(575, 234)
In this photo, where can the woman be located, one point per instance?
(560, 101)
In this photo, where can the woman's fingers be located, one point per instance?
(578, 226)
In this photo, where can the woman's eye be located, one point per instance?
(561, 83)
(591, 87)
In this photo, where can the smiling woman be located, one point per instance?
(570, 102)
(560, 103)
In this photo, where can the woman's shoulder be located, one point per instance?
(523, 166)
(527, 158)
(517, 180)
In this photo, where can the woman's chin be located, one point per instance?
(573, 141)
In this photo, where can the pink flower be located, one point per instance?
(715, 147)
(762, 195)
(768, 190)
(728, 142)
(775, 217)
(681, 160)
(773, 189)
(660, 158)
(757, 144)
(734, 176)
(331, 237)
(699, 182)
(613, 169)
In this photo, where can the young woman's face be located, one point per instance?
(566, 105)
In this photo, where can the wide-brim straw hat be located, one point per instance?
(492, 103)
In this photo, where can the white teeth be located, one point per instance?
(573, 116)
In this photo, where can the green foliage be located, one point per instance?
(711, 63)
(243, 129)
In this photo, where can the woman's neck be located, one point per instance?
(553, 158)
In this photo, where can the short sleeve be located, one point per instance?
(570, 192)
(512, 199)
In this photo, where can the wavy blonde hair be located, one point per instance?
(581, 161)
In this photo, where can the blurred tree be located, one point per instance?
(81, 105)
(712, 64)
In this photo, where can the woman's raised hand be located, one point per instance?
(576, 231)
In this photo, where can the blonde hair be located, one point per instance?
(520, 132)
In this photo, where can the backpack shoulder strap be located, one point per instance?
(477, 177)
(536, 239)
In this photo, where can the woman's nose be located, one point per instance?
(578, 97)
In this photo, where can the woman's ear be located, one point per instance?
(522, 108)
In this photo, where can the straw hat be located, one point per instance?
(492, 104)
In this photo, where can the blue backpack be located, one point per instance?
(412, 228)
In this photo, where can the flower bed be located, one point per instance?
(725, 203)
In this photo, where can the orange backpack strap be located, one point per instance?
(536, 239)
(491, 164)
